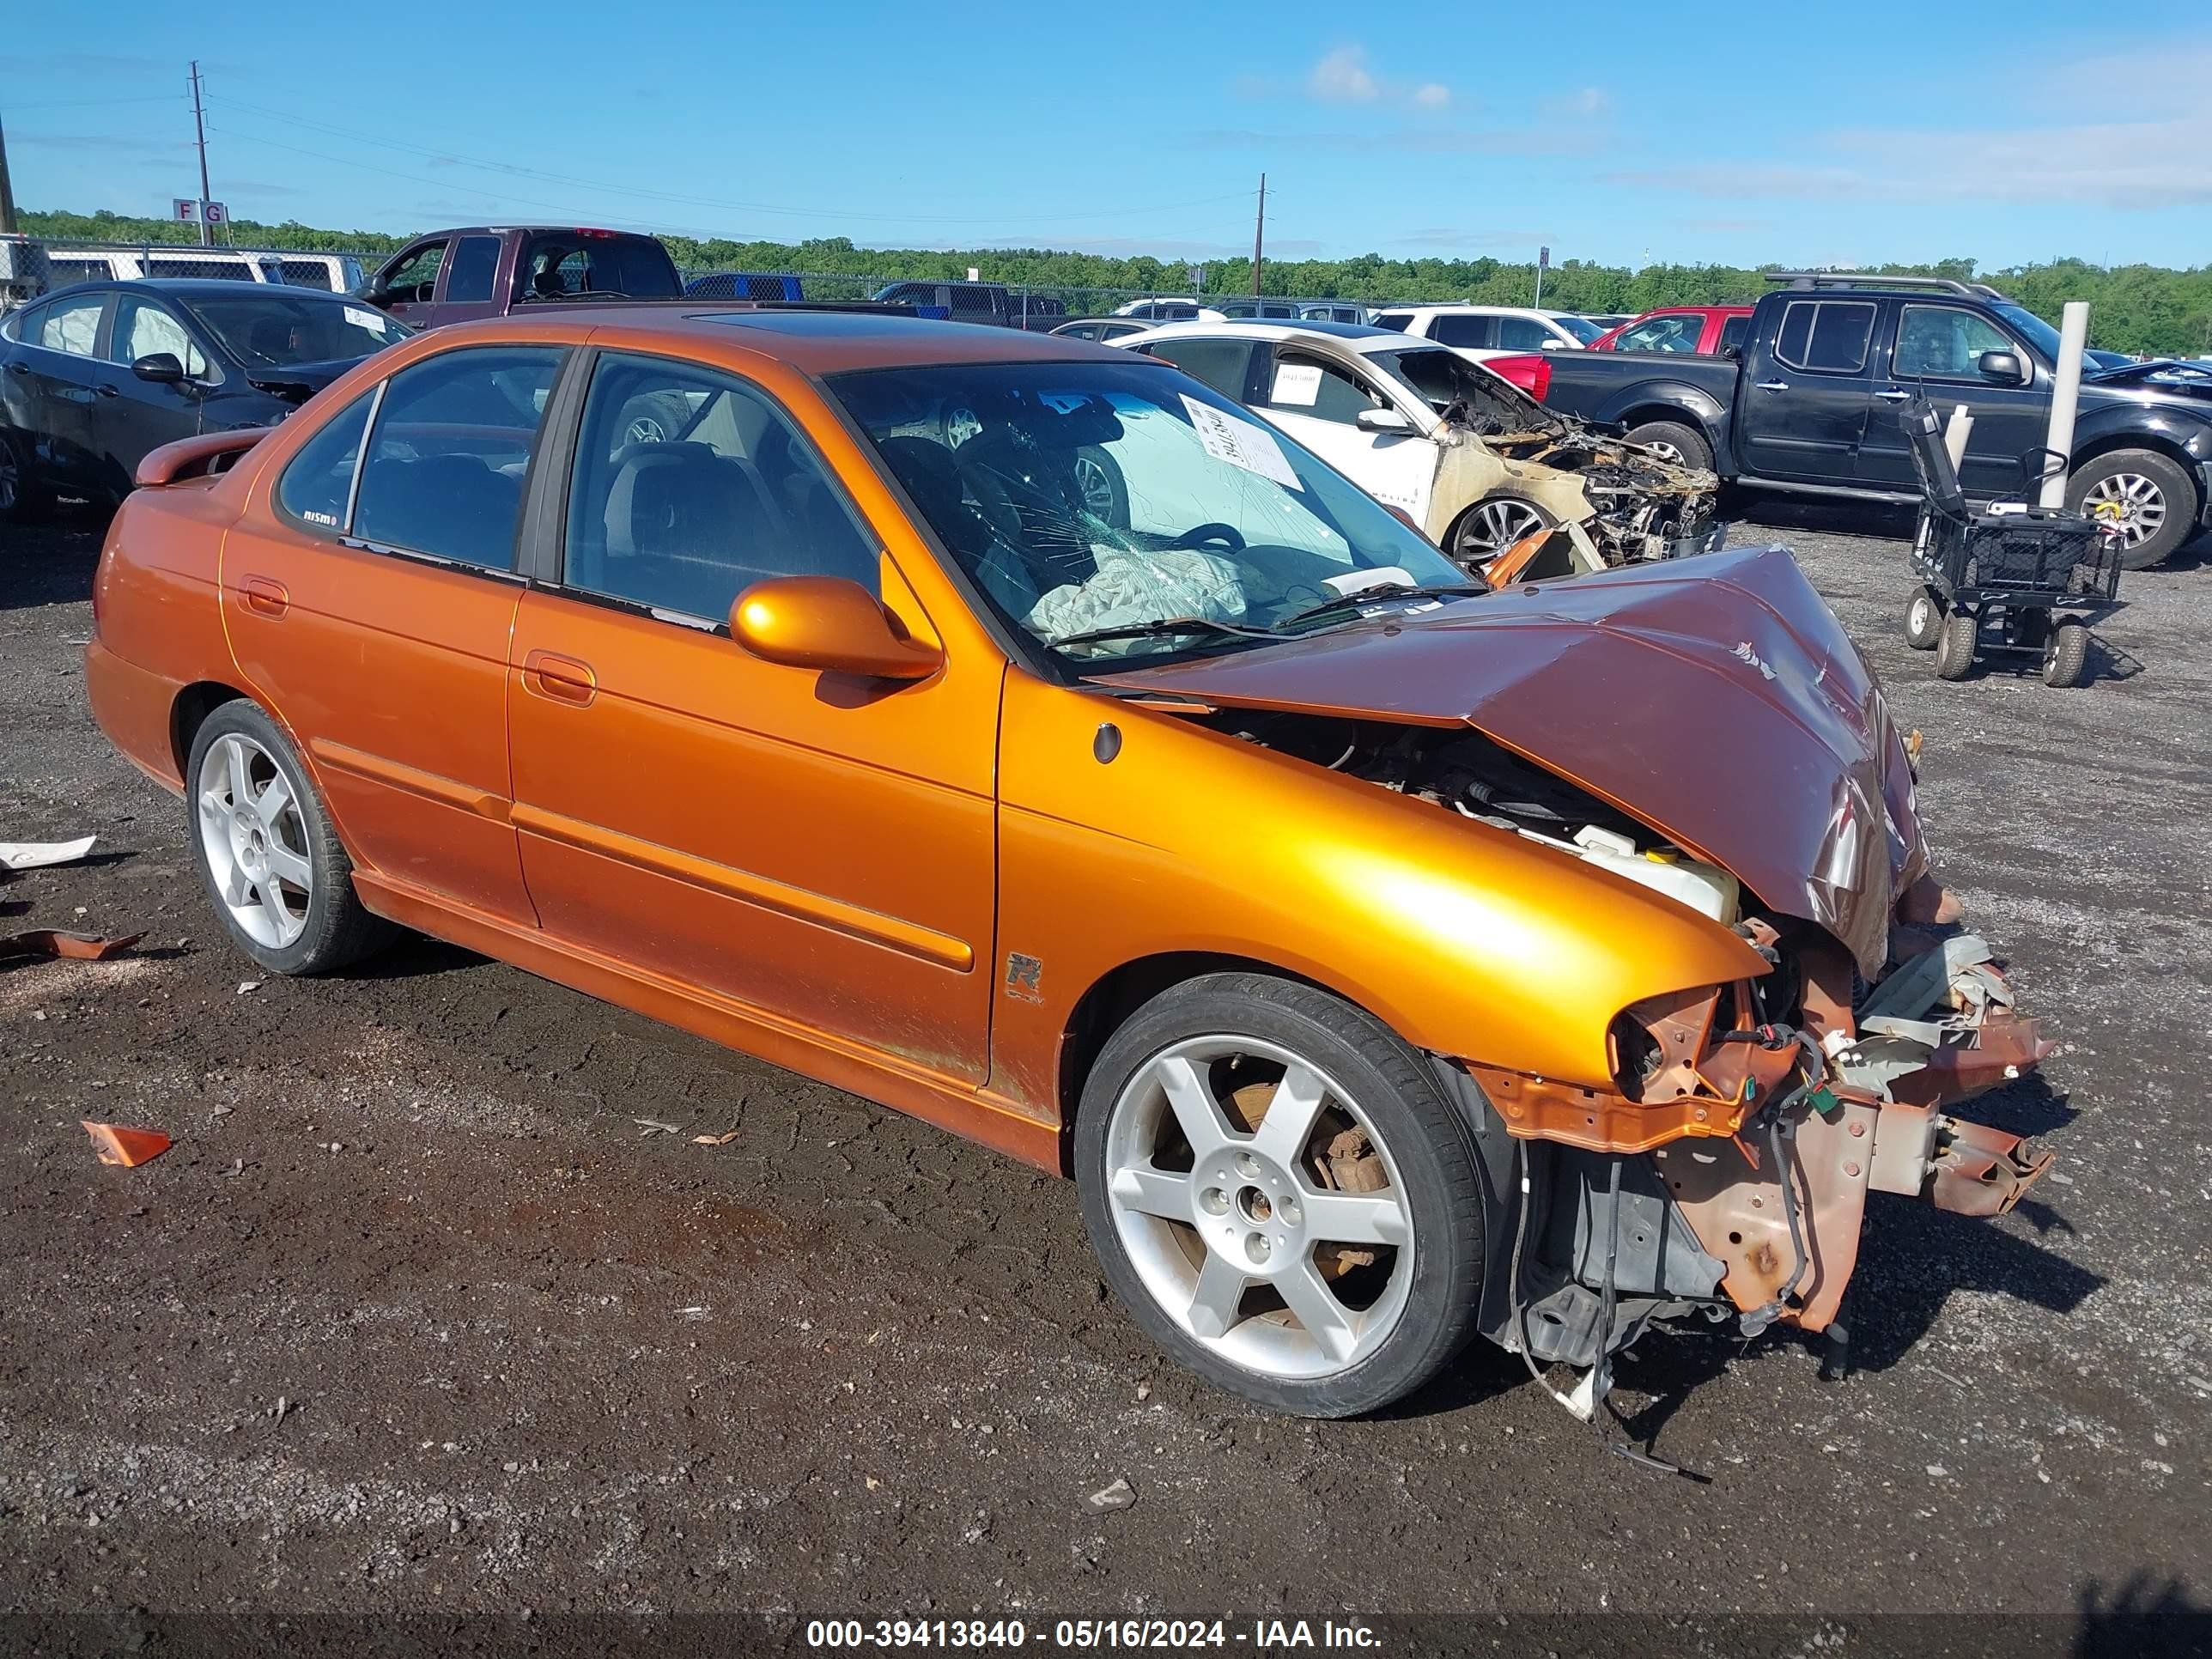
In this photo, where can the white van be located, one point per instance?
(333, 273)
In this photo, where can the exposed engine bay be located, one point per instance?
(1723, 1182)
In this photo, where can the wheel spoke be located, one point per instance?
(214, 811)
(288, 865)
(268, 805)
(1289, 1123)
(1356, 1218)
(1191, 1098)
(1213, 1302)
(238, 887)
(234, 767)
(1153, 1192)
(1316, 1307)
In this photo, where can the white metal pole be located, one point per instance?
(2066, 394)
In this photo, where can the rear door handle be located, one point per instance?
(264, 596)
(562, 679)
(104, 390)
(1774, 385)
(19, 368)
(1895, 396)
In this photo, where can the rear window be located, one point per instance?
(1224, 365)
(1393, 319)
(1825, 336)
(560, 263)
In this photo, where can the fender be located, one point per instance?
(2182, 433)
(1702, 406)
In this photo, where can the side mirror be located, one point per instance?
(1384, 420)
(2002, 366)
(1550, 345)
(830, 623)
(162, 368)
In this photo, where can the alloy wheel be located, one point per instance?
(1495, 525)
(255, 841)
(1260, 1206)
(2129, 500)
(1095, 487)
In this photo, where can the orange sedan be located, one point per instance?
(1009, 730)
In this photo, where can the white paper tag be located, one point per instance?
(1240, 443)
(359, 318)
(1297, 386)
(1358, 581)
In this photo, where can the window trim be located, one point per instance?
(1896, 339)
(555, 558)
(1866, 353)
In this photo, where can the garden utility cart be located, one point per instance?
(2012, 577)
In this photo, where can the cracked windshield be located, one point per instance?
(1121, 511)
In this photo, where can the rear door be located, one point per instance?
(1801, 410)
(370, 602)
(1934, 351)
(1463, 328)
(53, 376)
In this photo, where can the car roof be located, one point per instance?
(830, 341)
(189, 288)
(1263, 328)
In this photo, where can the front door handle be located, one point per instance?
(264, 596)
(562, 679)
(1774, 385)
(19, 368)
(1895, 396)
(104, 390)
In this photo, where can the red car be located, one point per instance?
(1706, 329)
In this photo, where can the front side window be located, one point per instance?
(1944, 342)
(476, 262)
(1305, 385)
(70, 326)
(451, 453)
(1676, 333)
(318, 482)
(1825, 336)
(272, 327)
(1524, 334)
(1217, 516)
(1460, 328)
(143, 329)
(414, 280)
(690, 485)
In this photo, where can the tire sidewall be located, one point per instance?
(1429, 1143)
(1955, 646)
(1918, 637)
(1689, 443)
(332, 879)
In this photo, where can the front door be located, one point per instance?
(408, 286)
(1936, 354)
(135, 416)
(1319, 403)
(816, 847)
(372, 614)
(1802, 413)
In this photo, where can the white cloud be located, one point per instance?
(1342, 77)
(1432, 94)
(1583, 104)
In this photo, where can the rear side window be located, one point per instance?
(1825, 336)
(70, 325)
(1224, 365)
(1457, 328)
(318, 480)
(475, 261)
(451, 452)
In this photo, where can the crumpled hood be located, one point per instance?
(1716, 699)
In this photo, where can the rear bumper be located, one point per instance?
(134, 708)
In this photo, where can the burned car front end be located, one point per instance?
(1706, 730)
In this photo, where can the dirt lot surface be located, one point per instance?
(415, 1313)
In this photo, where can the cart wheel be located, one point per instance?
(1961, 633)
(1923, 620)
(2066, 655)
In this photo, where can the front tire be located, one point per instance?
(2149, 496)
(1923, 620)
(1493, 526)
(268, 860)
(1955, 656)
(1282, 1195)
(1684, 444)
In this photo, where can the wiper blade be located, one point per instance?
(1381, 590)
(1162, 625)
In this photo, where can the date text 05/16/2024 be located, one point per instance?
(1259, 1635)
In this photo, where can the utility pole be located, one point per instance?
(6, 192)
(1259, 233)
(199, 127)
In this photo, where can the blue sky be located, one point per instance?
(1832, 134)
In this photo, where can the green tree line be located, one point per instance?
(2147, 309)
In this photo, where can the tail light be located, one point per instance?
(1531, 372)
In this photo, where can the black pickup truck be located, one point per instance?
(1811, 405)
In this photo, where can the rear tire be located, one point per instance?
(1955, 656)
(1923, 620)
(1226, 1245)
(272, 867)
(24, 497)
(2066, 654)
(1683, 444)
(2153, 498)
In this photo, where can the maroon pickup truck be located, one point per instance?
(483, 270)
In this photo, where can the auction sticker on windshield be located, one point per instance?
(1240, 443)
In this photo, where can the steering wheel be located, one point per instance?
(1227, 534)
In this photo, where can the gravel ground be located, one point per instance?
(414, 1315)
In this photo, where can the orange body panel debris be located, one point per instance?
(126, 1147)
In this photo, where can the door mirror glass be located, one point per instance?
(830, 625)
(162, 368)
(1383, 420)
(2002, 366)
